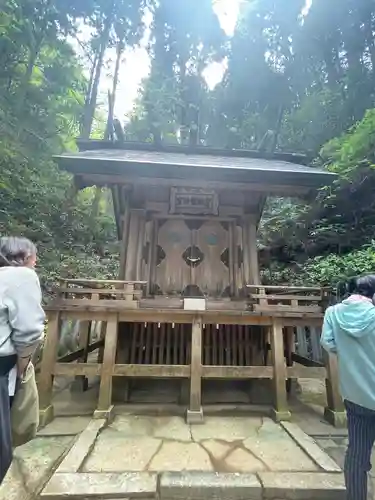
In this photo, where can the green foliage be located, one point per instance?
(42, 91)
(333, 237)
(324, 270)
(307, 77)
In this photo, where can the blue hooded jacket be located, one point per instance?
(349, 331)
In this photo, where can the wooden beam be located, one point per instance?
(81, 382)
(109, 359)
(74, 370)
(264, 307)
(141, 242)
(192, 217)
(246, 273)
(302, 360)
(237, 372)
(335, 405)
(135, 226)
(253, 251)
(104, 304)
(196, 367)
(45, 382)
(73, 356)
(108, 180)
(232, 265)
(289, 350)
(236, 246)
(282, 298)
(99, 291)
(116, 205)
(151, 271)
(103, 329)
(152, 371)
(278, 288)
(124, 235)
(281, 408)
(306, 372)
(159, 315)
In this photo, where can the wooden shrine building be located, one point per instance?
(188, 303)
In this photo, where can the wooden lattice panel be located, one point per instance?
(168, 344)
(155, 344)
(233, 345)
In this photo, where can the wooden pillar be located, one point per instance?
(125, 236)
(246, 255)
(334, 412)
(45, 379)
(152, 257)
(233, 259)
(141, 242)
(132, 254)
(81, 382)
(281, 408)
(250, 251)
(289, 350)
(253, 252)
(105, 407)
(103, 329)
(195, 412)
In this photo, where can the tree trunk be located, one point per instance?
(89, 116)
(84, 125)
(112, 98)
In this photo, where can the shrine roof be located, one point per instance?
(204, 164)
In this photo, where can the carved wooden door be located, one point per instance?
(212, 274)
(172, 272)
(192, 258)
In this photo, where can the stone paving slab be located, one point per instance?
(227, 428)
(308, 444)
(277, 450)
(174, 456)
(32, 465)
(124, 485)
(302, 486)
(209, 486)
(122, 454)
(241, 458)
(82, 447)
(65, 426)
(162, 427)
(225, 444)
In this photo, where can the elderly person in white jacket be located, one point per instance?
(21, 327)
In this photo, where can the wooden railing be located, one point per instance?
(194, 345)
(289, 299)
(81, 292)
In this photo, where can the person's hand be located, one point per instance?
(22, 364)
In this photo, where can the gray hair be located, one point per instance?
(15, 251)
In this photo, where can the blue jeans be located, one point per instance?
(6, 364)
(361, 433)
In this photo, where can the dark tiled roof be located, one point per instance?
(180, 165)
(178, 159)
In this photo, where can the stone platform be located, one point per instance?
(226, 458)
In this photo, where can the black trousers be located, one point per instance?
(361, 433)
(6, 454)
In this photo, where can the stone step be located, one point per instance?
(195, 486)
